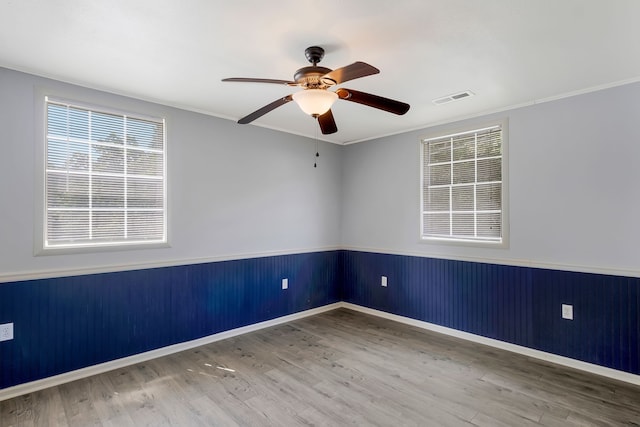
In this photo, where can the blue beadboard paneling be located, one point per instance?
(519, 305)
(606, 325)
(64, 324)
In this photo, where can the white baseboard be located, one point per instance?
(526, 351)
(33, 386)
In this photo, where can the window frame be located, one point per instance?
(40, 234)
(469, 241)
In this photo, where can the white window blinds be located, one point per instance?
(105, 178)
(462, 186)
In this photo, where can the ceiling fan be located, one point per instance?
(316, 99)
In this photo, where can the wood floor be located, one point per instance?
(335, 369)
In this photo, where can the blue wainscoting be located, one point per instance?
(519, 305)
(68, 323)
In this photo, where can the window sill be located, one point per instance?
(89, 248)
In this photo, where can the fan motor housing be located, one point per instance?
(311, 77)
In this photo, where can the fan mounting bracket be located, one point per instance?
(314, 54)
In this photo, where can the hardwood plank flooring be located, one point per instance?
(334, 369)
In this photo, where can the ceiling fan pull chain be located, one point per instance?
(315, 164)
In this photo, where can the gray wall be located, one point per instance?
(238, 191)
(234, 191)
(574, 200)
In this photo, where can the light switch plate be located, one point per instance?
(383, 282)
(285, 283)
(567, 311)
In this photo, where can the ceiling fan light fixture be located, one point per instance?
(315, 102)
(315, 99)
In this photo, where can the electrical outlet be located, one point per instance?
(567, 311)
(285, 283)
(6, 332)
(383, 282)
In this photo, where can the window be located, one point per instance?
(462, 186)
(105, 181)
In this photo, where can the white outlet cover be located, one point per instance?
(383, 282)
(567, 311)
(285, 283)
(6, 332)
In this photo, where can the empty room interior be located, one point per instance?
(300, 213)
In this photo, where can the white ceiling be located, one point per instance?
(508, 52)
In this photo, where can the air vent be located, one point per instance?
(454, 97)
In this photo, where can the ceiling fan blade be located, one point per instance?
(375, 101)
(264, 110)
(350, 72)
(252, 80)
(327, 123)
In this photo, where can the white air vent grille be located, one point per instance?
(454, 97)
